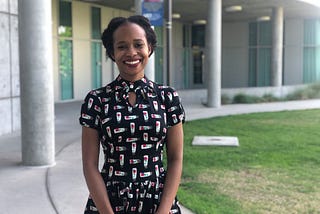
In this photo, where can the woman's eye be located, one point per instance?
(139, 45)
(121, 47)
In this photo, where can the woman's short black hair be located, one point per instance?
(107, 35)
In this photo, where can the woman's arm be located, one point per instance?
(174, 169)
(90, 163)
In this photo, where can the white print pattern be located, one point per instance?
(132, 138)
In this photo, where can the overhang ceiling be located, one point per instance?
(191, 10)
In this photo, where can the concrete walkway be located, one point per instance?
(61, 189)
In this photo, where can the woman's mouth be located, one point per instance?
(132, 63)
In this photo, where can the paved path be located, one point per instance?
(61, 189)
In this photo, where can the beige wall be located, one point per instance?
(107, 71)
(55, 49)
(81, 25)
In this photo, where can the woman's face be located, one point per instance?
(131, 51)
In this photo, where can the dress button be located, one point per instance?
(131, 86)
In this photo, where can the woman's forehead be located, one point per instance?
(129, 30)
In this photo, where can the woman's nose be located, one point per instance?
(132, 51)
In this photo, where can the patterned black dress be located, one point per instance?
(132, 138)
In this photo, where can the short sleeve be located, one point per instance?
(174, 109)
(90, 111)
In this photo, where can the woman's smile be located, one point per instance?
(132, 62)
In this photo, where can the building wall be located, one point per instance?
(108, 67)
(9, 67)
(234, 68)
(293, 52)
(177, 55)
(234, 55)
(81, 19)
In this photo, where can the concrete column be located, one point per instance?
(36, 79)
(277, 46)
(213, 50)
(150, 67)
(169, 42)
(138, 6)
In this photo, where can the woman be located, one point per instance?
(132, 118)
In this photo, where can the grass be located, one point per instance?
(274, 170)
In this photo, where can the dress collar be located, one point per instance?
(124, 85)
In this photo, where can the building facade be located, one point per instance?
(9, 67)
(251, 55)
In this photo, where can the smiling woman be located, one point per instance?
(133, 119)
(131, 51)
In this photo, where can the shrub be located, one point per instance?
(310, 92)
(225, 99)
(270, 98)
(243, 98)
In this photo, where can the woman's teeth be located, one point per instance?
(132, 62)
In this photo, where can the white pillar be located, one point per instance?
(213, 50)
(149, 70)
(169, 43)
(36, 82)
(277, 46)
(150, 67)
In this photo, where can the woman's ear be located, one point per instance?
(112, 57)
(150, 50)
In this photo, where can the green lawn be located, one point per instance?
(276, 168)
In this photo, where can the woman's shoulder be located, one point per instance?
(102, 91)
(100, 94)
(165, 88)
(168, 94)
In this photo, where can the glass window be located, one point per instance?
(66, 69)
(260, 43)
(253, 41)
(65, 19)
(198, 35)
(95, 23)
(198, 62)
(252, 67)
(264, 34)
(96, 66)
(158, 55)
(187, 56)
(311, 51)
(65, 50)
(96, 48)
